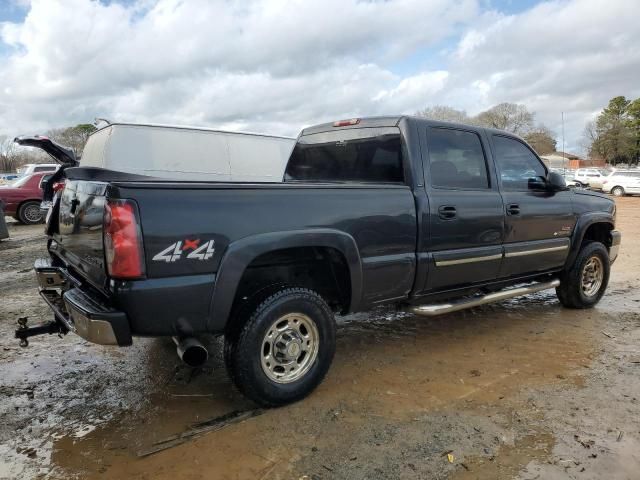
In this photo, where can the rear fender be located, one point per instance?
(241, 253)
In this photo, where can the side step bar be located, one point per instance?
(456, 305)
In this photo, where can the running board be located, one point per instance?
(456, 305)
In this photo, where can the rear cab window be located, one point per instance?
(456, 160)
(360, 155)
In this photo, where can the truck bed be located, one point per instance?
(379, 220)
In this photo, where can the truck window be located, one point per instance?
(517, 163)
(353, 155)
(456, 159)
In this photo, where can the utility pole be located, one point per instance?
(564, 162)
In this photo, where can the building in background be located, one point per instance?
(571, 161)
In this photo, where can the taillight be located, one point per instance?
(58, 186)
(346, 123)
(123, 240)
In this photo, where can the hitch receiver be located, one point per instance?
(23, 332)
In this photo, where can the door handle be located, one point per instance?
(513, 209)
(447, 212)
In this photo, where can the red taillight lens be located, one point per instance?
(58, 186)
(123, 240)
(346, 123)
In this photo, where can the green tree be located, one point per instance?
(612, 134)
(633, 122)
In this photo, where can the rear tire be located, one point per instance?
(29, 213)
(617, 191)
(280, 350)
(584, 284)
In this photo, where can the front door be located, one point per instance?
(538, 224)
(466, 215)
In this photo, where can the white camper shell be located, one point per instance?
(188, 153)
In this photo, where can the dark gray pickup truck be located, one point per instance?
(432, 217)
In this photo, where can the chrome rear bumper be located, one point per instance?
(79, 310)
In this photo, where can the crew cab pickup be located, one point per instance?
(432, 217)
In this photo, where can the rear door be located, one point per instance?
(538, 223)
(466, 215)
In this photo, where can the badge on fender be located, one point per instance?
(176, 250)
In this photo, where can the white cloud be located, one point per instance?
(277, 66)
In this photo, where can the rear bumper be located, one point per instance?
(78, 309)
(616, 238)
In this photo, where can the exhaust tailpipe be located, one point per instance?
(191, 351)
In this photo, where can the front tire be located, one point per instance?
(29, 213)
(584, 284)
(280, 351)
(617, 191)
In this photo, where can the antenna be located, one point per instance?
(564, 164)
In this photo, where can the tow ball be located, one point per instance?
(23, 332)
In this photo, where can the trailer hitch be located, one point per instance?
(23, 332)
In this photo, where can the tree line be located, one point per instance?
(615, 133)
(12, 156)
(512, 117)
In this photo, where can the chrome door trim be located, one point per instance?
(536, 251)
(461, 261)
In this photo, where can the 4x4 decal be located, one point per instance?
(176, 250)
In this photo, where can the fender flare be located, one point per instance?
(241, 253)
(583, 223)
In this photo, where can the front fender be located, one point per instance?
(241, 253)
(584, 222)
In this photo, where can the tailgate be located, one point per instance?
(78, 233)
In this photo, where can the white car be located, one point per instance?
(30, 168)
(589, 176)
(621, 183)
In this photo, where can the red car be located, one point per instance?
(22, 198)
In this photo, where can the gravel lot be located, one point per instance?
(522, 389)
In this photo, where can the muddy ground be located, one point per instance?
(522, 389)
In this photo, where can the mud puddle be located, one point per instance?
(397, 379)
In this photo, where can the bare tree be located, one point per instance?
(74, 137)
(444, 113)
(8, 156)
(512, 117)
(542, 139)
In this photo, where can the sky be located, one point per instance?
(275, 66)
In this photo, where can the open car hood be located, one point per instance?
(62, 155)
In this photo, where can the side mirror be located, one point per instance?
(538, 183)
(555, 182)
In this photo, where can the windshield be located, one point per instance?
(20, 182)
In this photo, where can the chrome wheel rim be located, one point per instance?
(289, 348)
(592, 276)
(32, 213)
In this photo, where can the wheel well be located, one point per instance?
(322, 269)
(25, 201)
(598, 232)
